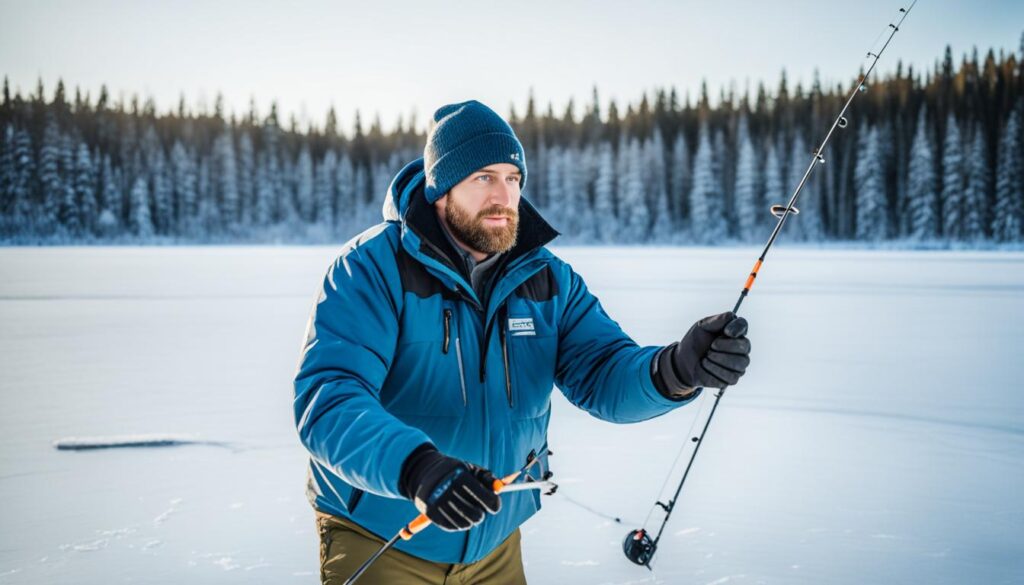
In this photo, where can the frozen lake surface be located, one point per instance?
(878, 436)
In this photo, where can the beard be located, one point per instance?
(472, 231)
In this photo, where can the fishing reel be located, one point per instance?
(638, 547)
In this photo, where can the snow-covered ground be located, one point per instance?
(877, 438)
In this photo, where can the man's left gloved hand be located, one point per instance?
(714, 353)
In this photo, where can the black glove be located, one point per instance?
(714, 353)
(452, 493)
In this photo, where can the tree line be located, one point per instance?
(927, 158)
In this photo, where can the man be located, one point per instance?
(431, 354)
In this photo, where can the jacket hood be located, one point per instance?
(407, 182)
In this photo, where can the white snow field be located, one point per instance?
(878, 436)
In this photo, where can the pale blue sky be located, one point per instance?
(395, 57)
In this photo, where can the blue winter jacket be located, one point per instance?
(400, 351)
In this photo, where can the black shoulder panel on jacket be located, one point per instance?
(540, 287)
(416, 279)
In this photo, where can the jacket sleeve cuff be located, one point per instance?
(405, 476)
(660, 368)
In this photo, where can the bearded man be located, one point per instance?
(431, 354)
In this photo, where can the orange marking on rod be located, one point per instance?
(415, 526)
(753, 275)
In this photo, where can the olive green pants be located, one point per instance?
(344, 546)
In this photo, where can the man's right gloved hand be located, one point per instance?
(454, 494)
(714, 353)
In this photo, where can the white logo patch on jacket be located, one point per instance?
(521, 326)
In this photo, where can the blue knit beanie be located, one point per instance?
(465, 138)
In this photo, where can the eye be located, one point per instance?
(484, 178)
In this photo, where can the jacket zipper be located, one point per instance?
(496, 273)
(462, 374)
(447, 330)
(504, 355)
(458, 352)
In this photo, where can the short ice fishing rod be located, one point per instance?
(504, 485)
(638, 545)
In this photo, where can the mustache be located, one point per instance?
(498, 210)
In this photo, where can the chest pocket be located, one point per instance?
(428, 375)
(532, 341)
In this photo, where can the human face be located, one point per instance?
(482, 211)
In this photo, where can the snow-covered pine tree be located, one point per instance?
(887, 160)
(746, 190)
(869, 177)
(621, 177)
(703, 187)
(679, 182)
(1007, 214)
(553, 187)
(140, 220)
(288, 203)
(706, 218)
(85, 189)
(345, 205)
(7, 167)
(184, 188)
(580, 183)
(109, 223)
(160, 188)
(69, 213)
(774, 193)
(225, 179)
(635, 216)
(662, 229)
(246, 177)
(976, 192)
(538, 168)
(25, 165)
(922, 191)
(605, 220)
(208, 220)
(808, 223)
(577, 199)
(161, 192)
(271, 192)
(266, 195)
(362, 184)
(723, 175)
(831, 191)
(899, 166)
(323, 190)
(565, 199)
(304, 185)
(952, 197)
(796, 165)
(8, 196)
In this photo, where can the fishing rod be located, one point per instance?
(638, 545)
(503, 485)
